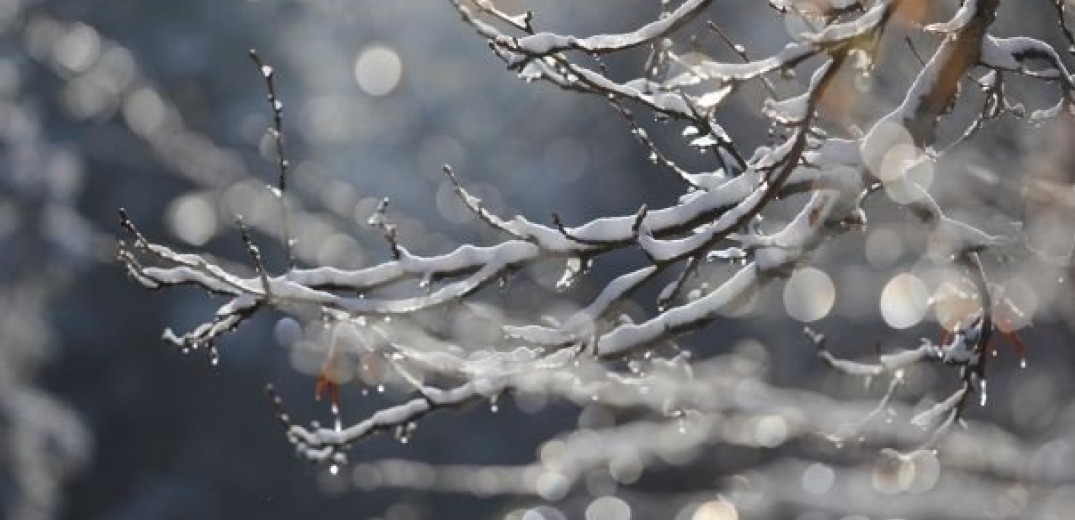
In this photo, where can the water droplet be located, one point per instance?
(985, 395)
(740, 48)
(334, 469)
(380, 389)
(1022, 362)
(337, 423)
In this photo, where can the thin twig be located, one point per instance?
(740, 51)
(277, 130)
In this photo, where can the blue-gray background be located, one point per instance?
(99, 420)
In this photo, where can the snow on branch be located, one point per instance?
(817, 174)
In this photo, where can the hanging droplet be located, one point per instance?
(334, 470)
(1022, 362)
(380, 389)
(337, 423)
(985, 395)
(214, 355)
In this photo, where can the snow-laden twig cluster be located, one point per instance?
(394, 312)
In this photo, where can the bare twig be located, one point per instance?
(268, 73)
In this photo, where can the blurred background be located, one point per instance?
(156, 108)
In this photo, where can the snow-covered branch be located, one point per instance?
(750, 218)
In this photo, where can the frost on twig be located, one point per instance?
(825, 172)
